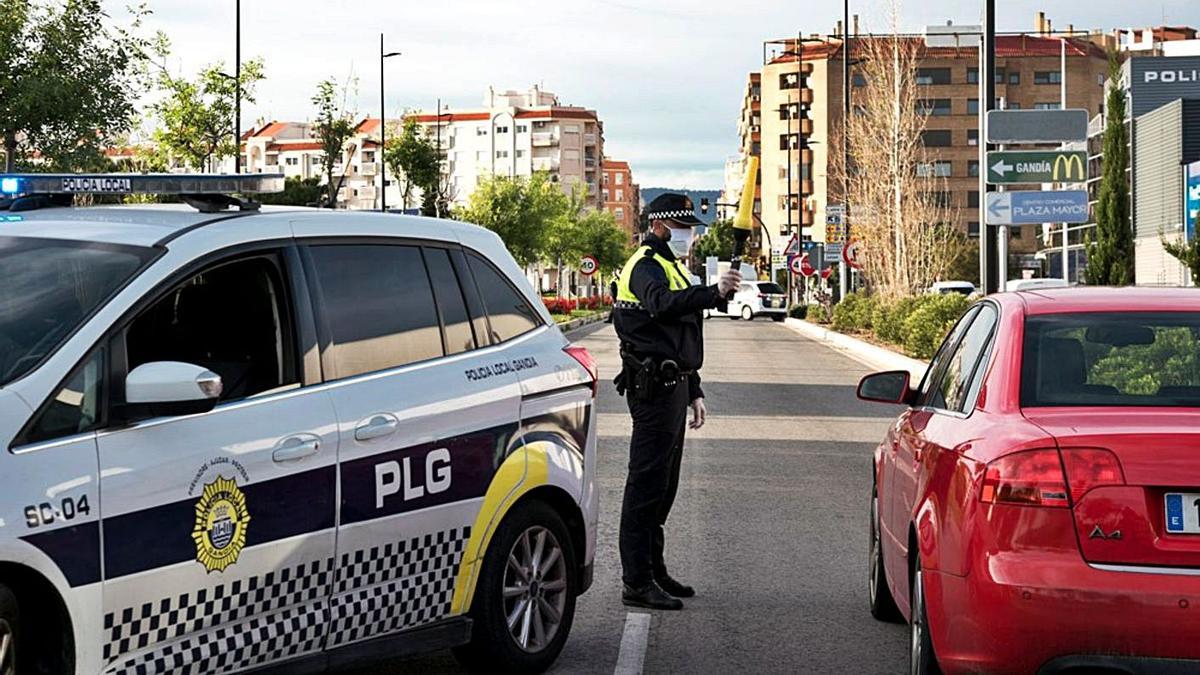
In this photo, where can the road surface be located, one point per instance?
(770, 524)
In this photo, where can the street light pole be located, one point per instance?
(383, 129)
(989, 239)
(843, 272)
(237, 88)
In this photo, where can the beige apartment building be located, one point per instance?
(621, 196)
(800, 120)
(515, 133)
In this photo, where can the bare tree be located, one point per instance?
(899, 205)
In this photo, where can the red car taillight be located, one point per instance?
(1088, 468)
(585, 359)
(1029, 478)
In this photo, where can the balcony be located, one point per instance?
(589, 139)
(366, 193)
(545, 164)
(589, 163)
(369, 169)
(544, 139)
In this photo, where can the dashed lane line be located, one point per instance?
(632, 655)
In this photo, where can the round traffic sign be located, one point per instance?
(800, 265)
(850, 253)
(588, 265)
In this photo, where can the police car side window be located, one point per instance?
(233, 318)
(508, 312)
(75, 408)
(378, 307)
(456, 324)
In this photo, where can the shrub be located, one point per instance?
(854, 312)
(560, 305)
(798, 311)
(931, 318)
(887, 319)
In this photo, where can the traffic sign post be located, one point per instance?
(1036, 207)
(1036, 166)
(1036, 126)
(588, 265)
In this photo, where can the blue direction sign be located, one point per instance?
(1033, 207)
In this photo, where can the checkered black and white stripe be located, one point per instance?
(667, 215)
(396, 586)
(259, 619)
(262, 640)
(135, 628)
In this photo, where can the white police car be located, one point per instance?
(296, 439)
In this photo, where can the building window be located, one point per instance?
(620, 179)
(973, 229)
(972, 137)
(933, 76)
(522, 128)
(941, 199)
(938, 169)
(571, 128)
(973, 168)
(936, 107)
(973, 199)
(604, 193)
(972, 76)
(937, 138)
(520, 153)
(480, 155)
(999, 76)
(789, 81)
(1012, 106)
(620, 195)
(785, 145)
(1016, 231)
(1014, 77)
(1046, 106)
(502, 129)
(619, 212)
(1047, 77)
(756, 148)
(972, 106)
(480, 131)
(292, 161)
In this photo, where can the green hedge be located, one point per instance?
(918, 324)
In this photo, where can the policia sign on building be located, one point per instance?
(1037, 166)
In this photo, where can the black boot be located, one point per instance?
(673, 587)
(650, 596)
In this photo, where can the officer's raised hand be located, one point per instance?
(729, 282)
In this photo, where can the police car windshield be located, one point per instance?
(48, 287)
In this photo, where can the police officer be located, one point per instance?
(658, 318)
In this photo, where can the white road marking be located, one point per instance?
(633, 644)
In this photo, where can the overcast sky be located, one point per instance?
(665, 75)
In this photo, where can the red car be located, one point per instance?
(1036, 508)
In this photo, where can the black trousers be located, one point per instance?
(655, 453)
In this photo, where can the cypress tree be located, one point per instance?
(1110, 246)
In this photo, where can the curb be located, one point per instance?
(871, 355)
(576, 324)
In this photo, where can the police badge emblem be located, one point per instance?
(221, 520)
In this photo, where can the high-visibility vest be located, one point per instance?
(678, 277)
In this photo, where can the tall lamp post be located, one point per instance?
(383, 128)
(237, 88)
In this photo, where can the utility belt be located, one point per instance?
(645, 377)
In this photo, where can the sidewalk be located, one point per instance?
(874, 356)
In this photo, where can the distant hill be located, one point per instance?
(648, 195)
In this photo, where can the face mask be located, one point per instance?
(680, 241)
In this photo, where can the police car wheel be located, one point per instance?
(883, 606)
(747, 313)
(525, 600)
(9, 627)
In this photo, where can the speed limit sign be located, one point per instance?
(588, 265)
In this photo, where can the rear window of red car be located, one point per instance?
(1108, 359)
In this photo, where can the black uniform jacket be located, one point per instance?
(669, 325)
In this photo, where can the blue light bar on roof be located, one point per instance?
(140, 183)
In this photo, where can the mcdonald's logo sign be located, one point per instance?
(1070, 168)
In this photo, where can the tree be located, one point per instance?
(69, 80)
(296, 192)
(1110, 246)
(717, 242)
(519, 210)
(196, 117)
(334, 126)
(415, 161)
(896, 200)
(1188, 253)
(599, 235)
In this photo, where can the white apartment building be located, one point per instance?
(515, 134)
(292, 149)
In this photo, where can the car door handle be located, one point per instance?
(377, 427)
(296, 448)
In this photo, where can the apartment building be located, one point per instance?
(515, 133)
(749, 145)
(292, 148)
(621, 195)
(801, 116)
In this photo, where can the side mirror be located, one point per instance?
(887, 387)
(168, 388)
